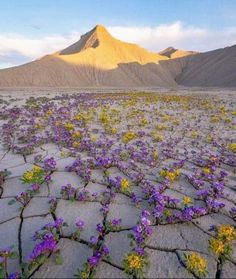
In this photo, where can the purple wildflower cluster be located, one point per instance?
(68, 192)
(49, 164)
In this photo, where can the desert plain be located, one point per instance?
(118, 183)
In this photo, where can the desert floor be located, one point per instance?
(81, 172)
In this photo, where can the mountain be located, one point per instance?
(172, 52)
(215, 68)
(98, 59)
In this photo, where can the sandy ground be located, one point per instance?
(189, 131)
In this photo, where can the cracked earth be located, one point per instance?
(191, 133)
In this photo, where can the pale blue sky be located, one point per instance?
(193, 24)
(37, 17)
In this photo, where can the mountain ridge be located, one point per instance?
(99, 59)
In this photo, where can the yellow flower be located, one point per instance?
(155, 155)
(187, 200)
(226, 232)
(171, 176)
(93, 138)
(217, 246)
(113, 130)
(196, 263)
(163, 173)
(194, 134)
(232, 146)
(69, 126)
(209, 138)
(134, 261)
(144, 121)
(76, 144)
(49, 112)
(128, 136)
(124, 184)
(76, 134)
(206, 170)
(36, 169)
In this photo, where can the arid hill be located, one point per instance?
(98, 59)
(172, 52)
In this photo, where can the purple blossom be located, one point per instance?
(139, 250)
(15, 275)
(49, 164)
(80, 224)
(93, 261)
(35, 187)
(93, 240)
(100, 228)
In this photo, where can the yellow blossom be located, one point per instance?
(113, 130)
(232, 146)
(124, 184)
(206, 170)
(93, 138)
(76, 134)
(194, 134)
(227, 232)
(187, 200)
(134, 261)
(196, 263)
(128, 136)
(69, 126)
(217, 246)
(76, 144)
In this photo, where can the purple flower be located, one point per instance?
(105, 250)
(58, 223)
(46, 246)
(100, 228)
(49, 164)
(15, 275)
(80, 224)
(116, 222)
(93, 260)
(145, 213)
(139, 251)
(93, 240)
(35, 187)
(145, 222)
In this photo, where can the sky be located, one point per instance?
(30, 29)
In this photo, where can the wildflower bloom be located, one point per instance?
(124, 184)
(232, 147)
(187, 200)
(217, 246)
(134, 261)
(128, 136)
(196, 263)
(227, 233)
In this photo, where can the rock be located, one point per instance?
(37, 206)
(179, 236)
(29, 227)
(120, 211)
(119, 245)
(9, 237)
(86, 211)
(165, 265)
(228, 270)
(74, 255)
(62, 179)
(7, 211)
(105, 270)
(206, 221)
(13, 186)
